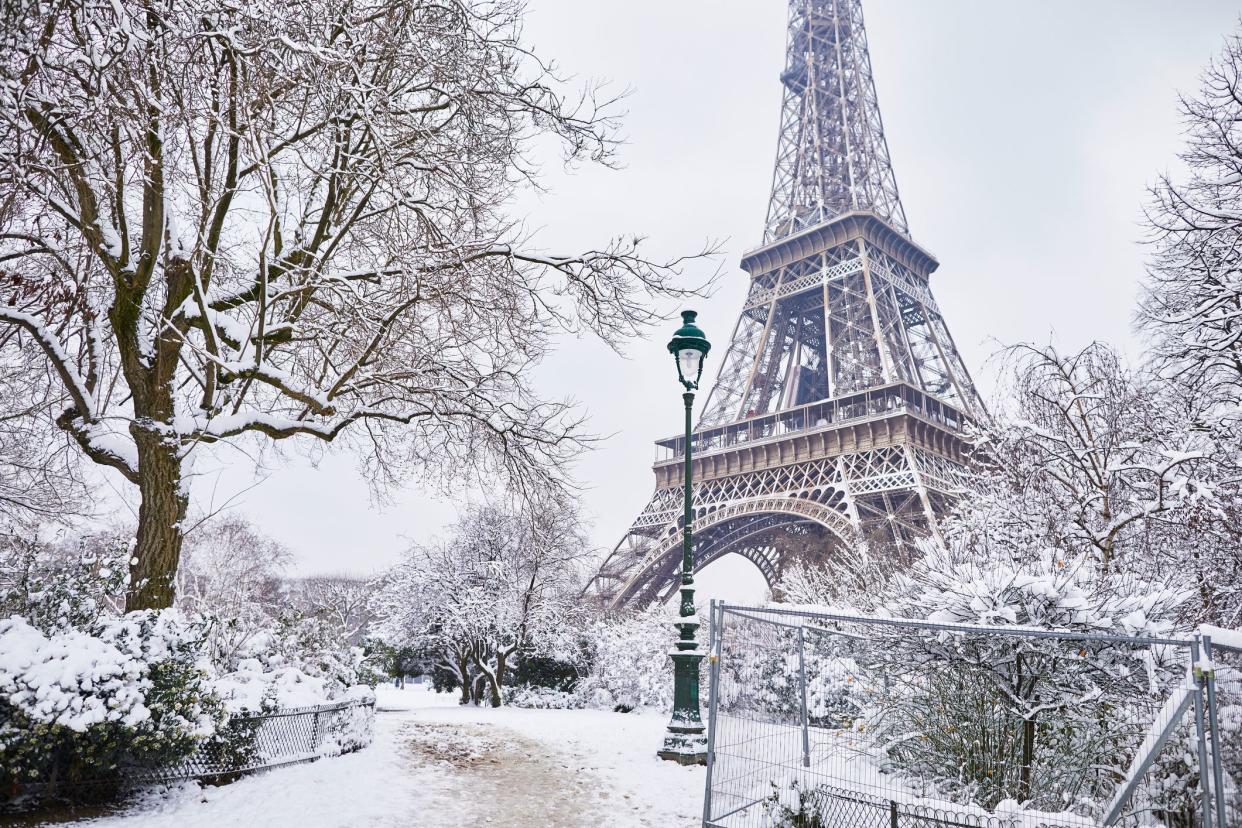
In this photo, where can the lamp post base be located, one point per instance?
(684, 745)
(685, 741)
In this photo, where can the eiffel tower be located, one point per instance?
(838, 412)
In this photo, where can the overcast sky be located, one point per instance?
(1023, 136)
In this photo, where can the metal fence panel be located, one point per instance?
(268, 740)
(824, 719)
(1224, 693)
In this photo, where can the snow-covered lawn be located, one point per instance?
(436, 764)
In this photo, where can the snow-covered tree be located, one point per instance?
(286, 219)
(41, 484)
(1192, 304)
(230, 577)
(628, 664)
(1191, 311)
(843, 579)
(501, 585)
(1090, 457)
(987, 717)
(344, 601)
(1085, 446)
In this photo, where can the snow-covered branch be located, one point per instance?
(286, 220)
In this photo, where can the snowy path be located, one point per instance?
(434, 764)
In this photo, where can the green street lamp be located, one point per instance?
(685, 741)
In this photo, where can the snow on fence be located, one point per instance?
(823, 719)
(246, 743)
(267, 740)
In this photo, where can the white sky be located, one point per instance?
(1022, 136)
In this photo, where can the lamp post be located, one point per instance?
(684, 741)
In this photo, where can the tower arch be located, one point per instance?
(770, 532)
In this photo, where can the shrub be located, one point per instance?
(1002, 718)
(547, 672)
(69, 586)
(629, 663)
(541, 698)
(81, 706)
(800, 807)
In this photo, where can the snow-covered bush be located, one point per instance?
(230, 578)
(629, 665)
(82, 704)
(353, 726)
(801, 806)
(987, 717)
(295, 662)
(541, 698)
(64, 586)
(269, 649)
(317, 647)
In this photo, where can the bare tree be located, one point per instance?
(1086, 447)
(229, 563)
(502, 585)
(1192, 304)
(341, 600)
(1191, 310)
(286, 218)
(231, 575)
(40, 479)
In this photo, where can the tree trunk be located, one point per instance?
(498, 680)
(1028, 759)
(160, 515)
(463, 672)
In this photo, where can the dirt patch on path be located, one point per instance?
(493, 776)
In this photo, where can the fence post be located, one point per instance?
(892, 813)
(1204, 770)
(711, 625)
(1218, 785)
(716, 637)
(314, 746)
(806, 733)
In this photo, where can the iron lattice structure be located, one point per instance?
(838, 410)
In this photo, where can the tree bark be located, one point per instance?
(161, 511)
(463, 671)
(498, 680)
(1028, 759)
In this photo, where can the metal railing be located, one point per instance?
(829, 719)
(260, 741)
(244, 744)
(757, 429)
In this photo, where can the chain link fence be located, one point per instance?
(820, 719)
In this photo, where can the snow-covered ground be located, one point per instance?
(436, 764)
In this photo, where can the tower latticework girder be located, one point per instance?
(836, 419)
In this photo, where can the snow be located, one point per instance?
(1222, 637)
(251, 687)
(71, 679)
(1174, 708)
(436, 764)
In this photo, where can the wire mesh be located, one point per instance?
(265, 740)
(1224, 718)
(834, 720)
(244, 744)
